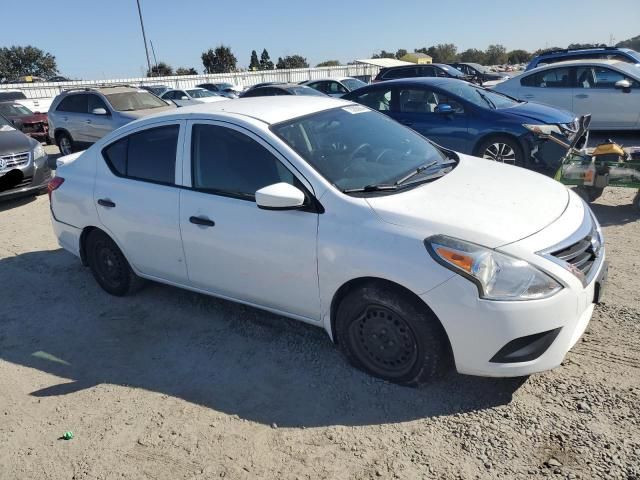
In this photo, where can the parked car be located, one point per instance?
(191, 96)
(281, 89)
(58, 79)
(335, 87)
(607, 89)
(262, 84)
(473, 120)
(224, 89)
(157, 90)
(412, 257)
(79, 117)
(423, 70)
(23, 163)
(38, 105)
(601, 53)
(480, 73)
(35, 125)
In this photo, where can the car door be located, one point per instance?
(610, 107)
(97, 126)
(71, 114)
(416, 107)
(235, 249)
(553, 86)
(137, 198)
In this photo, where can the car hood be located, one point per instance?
(14, 141)
(539, 113)
(481, 201)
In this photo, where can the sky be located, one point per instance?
(102, 39)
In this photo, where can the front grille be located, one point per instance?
(14, 160)
(581, 256)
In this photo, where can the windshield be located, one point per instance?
(200, 93)
(14, 110)
(305, 91)
(353, 147)
(634, 54)
(353, 83)
(478, 67)
(129, 101)
(454, 72)
(225, 86)
(481, 96)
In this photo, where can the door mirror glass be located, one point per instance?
(623, 84)
(279, 196)
(444, 109)
(99, 111)
(184, 97)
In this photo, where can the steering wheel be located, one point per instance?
(359, 151)
(382, 154)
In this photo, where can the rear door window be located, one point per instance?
(378, 99)
(553, 78)
(73, 104)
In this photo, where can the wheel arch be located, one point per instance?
(83, 242)
(59, 131)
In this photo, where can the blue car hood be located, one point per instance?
(539, 113)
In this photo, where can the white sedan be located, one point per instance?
(609, 90)
(191, 96)
(411, 257)
(335, 87)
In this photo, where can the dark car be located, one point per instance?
(23, 163)
(281, 89)
(223, 89)
(32, 124)
(600, 53)
(470, 119)
(421, 70)
(157, 90)
(480, 73)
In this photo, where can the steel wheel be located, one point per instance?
(109, 266)
(66, 148)
(500, 152)
(384, 342)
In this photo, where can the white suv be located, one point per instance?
(410, 256)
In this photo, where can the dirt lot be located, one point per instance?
(169, 384)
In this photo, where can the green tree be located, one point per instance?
(518, 56)
(401, 52)
(472, 55)
(265, 61)
(632, 43)
(186, 71)
(383, 54)
(161, 69)
(329, 63)
(21, 61)
(292, 61)
(496, 55)
(220, 60)
(254, 64)
(441, 53)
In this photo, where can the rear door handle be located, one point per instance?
(106, 203)
(582, 95)
(205, 222)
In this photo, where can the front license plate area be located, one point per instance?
(598, 293)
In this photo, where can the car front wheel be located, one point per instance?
(65, 144)
(502, 149)
(389, 334)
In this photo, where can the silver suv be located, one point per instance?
(80, 117)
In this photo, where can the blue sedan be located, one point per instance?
(470, 119)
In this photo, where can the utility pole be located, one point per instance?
(144, 37)
(153, 50)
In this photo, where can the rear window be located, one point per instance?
(149, 155)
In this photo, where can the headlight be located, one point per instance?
(497, 276)
(542, 129)
(38, 152)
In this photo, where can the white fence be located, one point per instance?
(244, 79)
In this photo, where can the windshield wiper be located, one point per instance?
(375, 187)
(415, 172)
(486, 99)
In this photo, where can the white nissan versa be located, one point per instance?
(410, 256)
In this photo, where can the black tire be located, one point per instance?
(589, 194)
(487, 149)
(65, 143)
(109, 266)
(636, 202)
(411, 343)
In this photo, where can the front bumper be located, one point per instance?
(35, 176)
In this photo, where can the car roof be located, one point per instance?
(585, 61)
(269, 110)
(326, 79)
(578, 51)
(431, 81)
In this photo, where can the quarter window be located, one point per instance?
(149, 155)
(227, 162)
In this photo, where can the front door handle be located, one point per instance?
(205, 222)
(106, 203)
(582, 95)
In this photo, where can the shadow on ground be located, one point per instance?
(615, 214)
(232, 358)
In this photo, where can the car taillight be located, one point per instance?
(54, 184)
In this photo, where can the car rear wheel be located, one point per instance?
(502, 149)
(65, 143)
(588, 194)
(390, 335)
(109, 266)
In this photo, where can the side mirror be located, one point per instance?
(444, 109)
(184, 97)
(279, 196)
(99, 111)
(624, 85)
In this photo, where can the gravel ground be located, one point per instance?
(170, 384)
